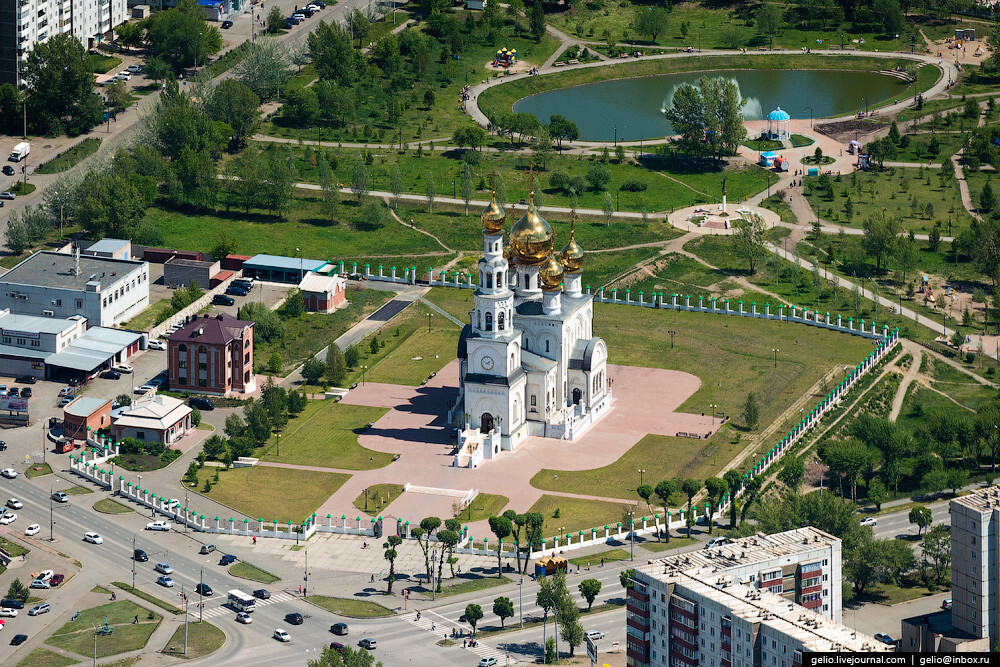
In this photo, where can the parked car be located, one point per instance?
(19, 639)
(227, 559)
(885, 638)
(32, 530)
(135, 69)
(26, 379)
(8, 519)
(262, 593)
(226, 25)
(66, 400)
(139, 556)
(339, 628)
(236, 291)
(338, 647)
(7, 195)
(164, 580)
(294, 618)
(594, 635)
(368, 643)
(3, 445)
(38, 583)
(204, 589)
(39, 609)
(294, 20)
(163, 568)
(488, 662)
(8, 170)
(282, 636)
(946, 604)
(26, 392)
(122, 368)
(156, 344)
(8, 612)
(207, 548)
(76, 382)
(15, 392)
(60, 497)
(111, 374)
(716, 542)
(15, 504)
(244, 618)
(158, 525)
(202, 403)
(223, 300)
(57, 579)
(142, 389)
(124, 75)
(313, 7)
(11, 603)
(9, 473)
(44, 575)
(93, 538)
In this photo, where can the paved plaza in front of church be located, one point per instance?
(645, 401)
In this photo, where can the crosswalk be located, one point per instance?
(439, 625)
(221, 610)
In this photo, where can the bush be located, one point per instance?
(598, 176)
(195, 416)
(633, 185)
(559, 180)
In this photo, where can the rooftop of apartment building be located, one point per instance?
(750, 550)
(813, 631)
(982, 500)
(64, 271)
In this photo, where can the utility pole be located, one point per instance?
(520, 606)
(43, 442)
(133, 563)
(52, 523)
(201, 595)
(631, 534)
(305, 589)
(184, 597)
(185, 510)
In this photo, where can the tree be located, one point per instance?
(275, 20)
(264, 67)
(389, 554)
(734, 481)
(877, 493)
(865, 564)
(18, 591)
(504, 608)
(449, 538)
(352, 356)
(848, 458)
(467, 186)
(536, 22)
(937, 548)
(129, 34)
(570, 629)
(890, 16)
(792, 472)
(905, 255)
(716, 488)
(651, 21)
(312, 370)
(881, 231)
(768, 20)
(359, 25)
(258, 422)
(560, 128)
(646, 492)
(473, 612)
(336, 366)
(423, 535)
(957, 478)
(627, 578)
(690, 487)
(545, 598)
(58, 78)
(750, 241)
(590, 589)
(922, 517)
(360, 186)
(502, 528)
(599, 176)
(429, 181)
(987, 200)
(751, 412)
(664, 489)
(608, 209)
(181, 34)
(333, 53)
(233, 102)
(301, 107)
(395, 184)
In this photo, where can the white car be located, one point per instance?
(869, 521)
(594, 635)
(301, 17)
(313, 8)
(282, 636)
(143, 389)
(122, 368)
(8, 519)
(157, 345)
(4, 611)
(244, 618)
(44, 575)
(93, 538)
(9, 473)
(33, 529)
(158, 525)
(15, 504)
(163, 568)
(135, 69)
(124, 75)
(172, 503)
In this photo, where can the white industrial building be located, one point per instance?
(104, 290)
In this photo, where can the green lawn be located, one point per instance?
(674, 543)
(326, 434)
(151, 316)
(918, 150)
(247, 571)
(471, 584)
(376, 494)
(272, 493)
(77, 491)
(576, 514)
(102, 64)
(413, 350)
(799, 140)
(202, 638)
(78, 636)
(607, 556)
(71, 157)
(152, 599)
(108, 506)
(484, 506)
(311, 332)
(18, 188)
(12, 548)
(38, 470)
(41, 657)
(349, 607)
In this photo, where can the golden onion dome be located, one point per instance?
(508, 253)
(531, 236)
(493, 216)
(550, 274)
(571, 255)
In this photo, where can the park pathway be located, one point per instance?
(916, 351)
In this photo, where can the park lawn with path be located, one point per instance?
(70, 157)
(415, 346)
(468, 583)
(245, 570)
(309, 333)
(350, 607)
(674, 273)
(483, 506)
(203, 638)
(41, 657)
(576, 514)
(108, 506)
(271, 493)
(78, 635)
(918, 150)
(498, 99)
(325, 434)
(376, 494)
(152, 599)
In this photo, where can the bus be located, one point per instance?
(240, 601)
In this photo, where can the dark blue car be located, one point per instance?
(227, 559)
(236, 291)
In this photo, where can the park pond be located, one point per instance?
(632, 109)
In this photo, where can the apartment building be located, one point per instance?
(212, 355)
(975, 564)
(24, 23)
(702, 616)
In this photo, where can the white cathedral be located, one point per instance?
(530, 364)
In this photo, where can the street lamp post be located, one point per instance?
(429, 316)
(671, 333)
(866, 105)
(641, 473)
(363, 369)
(775, 351)
(714, 407)
(810, 117)
(520, 606)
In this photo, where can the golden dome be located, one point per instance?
(550, 275)
(531, 236)
(572, 254)
(508, 253)
(493, 216)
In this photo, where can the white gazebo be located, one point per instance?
(779, 124)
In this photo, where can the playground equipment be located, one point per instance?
(505, 57)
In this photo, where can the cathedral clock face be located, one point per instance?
(487, 363)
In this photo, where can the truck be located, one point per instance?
(20, 151)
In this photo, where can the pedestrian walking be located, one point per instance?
(373, 579)
(135, 620)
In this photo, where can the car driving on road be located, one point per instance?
(93, 538)
(158, 525)
(282, 636)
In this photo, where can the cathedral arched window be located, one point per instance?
(500, 321)
(479, 316)
(489, 279)
(527, 281)
(511, 361)
(489, 321)
(499, 279)
(546, 346)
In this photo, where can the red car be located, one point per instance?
(57, 579)
(338, 647)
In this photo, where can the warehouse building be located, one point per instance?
(280, 269)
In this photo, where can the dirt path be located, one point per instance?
(908, 377)
(395, 217)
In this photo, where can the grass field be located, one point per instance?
(471, 584)
(326, 434)
(38, 470)
(607, 556)
(350, 608)
(309, 333)
(484, 506)
(101, 64)
(272, 493)
(77, 491)
(376, 494)
(576, 514)
(152, 315)
(71, 157)
(674, 543)
(15, 550)
(41, 657)
(202, 638)
(108, 506)
(247, 571)
(78, 636)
